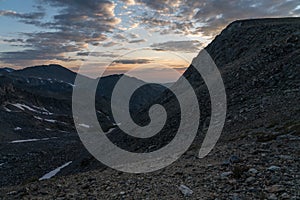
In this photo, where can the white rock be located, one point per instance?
(186, 191)
(272, 197)
(226, 174)
(274, 168)
(253, 171)
(285, 196)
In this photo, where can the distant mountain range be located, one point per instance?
(47, 72)
(58, 81)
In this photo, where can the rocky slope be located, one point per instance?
(257, 156)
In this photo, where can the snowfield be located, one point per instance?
(54, 172)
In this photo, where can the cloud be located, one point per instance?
(123, 49)
(137, 41)
(120, 36)
(10, 13)
(190, 46)
(132, 61)
(110, 44)
(133, 35)
(24, 58)
(134, 25)
(209, 17)
(77, 24)
(98, 54)
(27, 18)
(161, 6)
(180, 68)
(13, 40)
(128, 2)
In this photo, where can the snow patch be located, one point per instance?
(31, 140)
(110, 130)
(50, 120)
(71, 84)
(47, 120)
(24, 106)
(17, 128)
(84, 125)
(36, 117)
(98, 111)
(63, 131)
(46, 112)
(6, 109)
(8, 70)
(54, 172)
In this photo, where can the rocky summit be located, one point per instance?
(257, 156)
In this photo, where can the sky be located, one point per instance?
(156, 39)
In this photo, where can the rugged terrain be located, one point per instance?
(257, 156)
(37, 128)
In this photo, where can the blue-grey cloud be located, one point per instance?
(110, 44)
(132, 61)
(190, 46)
(210, 17)
(34, 15)
(137, 41)
(76, 24)
(98, 54)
